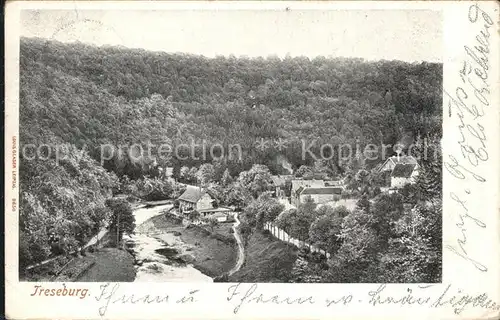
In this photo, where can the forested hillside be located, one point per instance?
(85, 96)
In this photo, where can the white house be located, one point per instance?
(403, 174)
(319, 195)
(297, 184)
(387, 167)
(194, 198)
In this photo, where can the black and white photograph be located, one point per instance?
(165, 146)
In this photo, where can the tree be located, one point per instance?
(357, 251)
(285, 220)
(194, 215)
(184, 173)
(386, 210)
(429, 179)
(363, 204)
(307, 207)
(213, 222)
(237, 195)
(226, 178)
(321, 168)
(303, 170)
(341, 211)
(415, 255)
(325, 232)
(191, 177)
(263, 209)
(306, 214)
(324, 210)
(205, 174)
(300, 227)
(155, 189)
(122, 218)
(176, 172)
(256, 180)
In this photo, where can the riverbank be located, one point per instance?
(106, 264)
(212, 253)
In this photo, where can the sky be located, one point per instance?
(408, 35)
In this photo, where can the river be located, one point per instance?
(159, 255)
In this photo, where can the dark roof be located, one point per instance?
(396, 160)
(192, 194)
(299, 190)
(331, 183)
(405, 160)
(403, 170)
(327, 190)
(296, 184)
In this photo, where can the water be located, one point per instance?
(143, 214)
(158, 253)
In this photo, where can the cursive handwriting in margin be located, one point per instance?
(243, 295)
(248, 294)
(109, 295)
(469, 103)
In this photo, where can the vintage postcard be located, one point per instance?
(252, 160)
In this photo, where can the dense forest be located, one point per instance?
(83, 97)
(90, 96)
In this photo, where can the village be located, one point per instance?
(201, 205)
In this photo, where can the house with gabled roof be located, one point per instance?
(319, 195)
(403, 174)
(301, 184)
(199, 199)
(391, 162)
(386, 168)
(195, 198)
(297, 183)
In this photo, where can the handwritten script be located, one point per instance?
(240, 296)
(468, 104)
(110, 295)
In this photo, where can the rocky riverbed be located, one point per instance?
(160, 254)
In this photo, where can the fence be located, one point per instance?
(283, 236)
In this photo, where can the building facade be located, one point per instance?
(318, 195)
(403, 174)
(194, 198)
